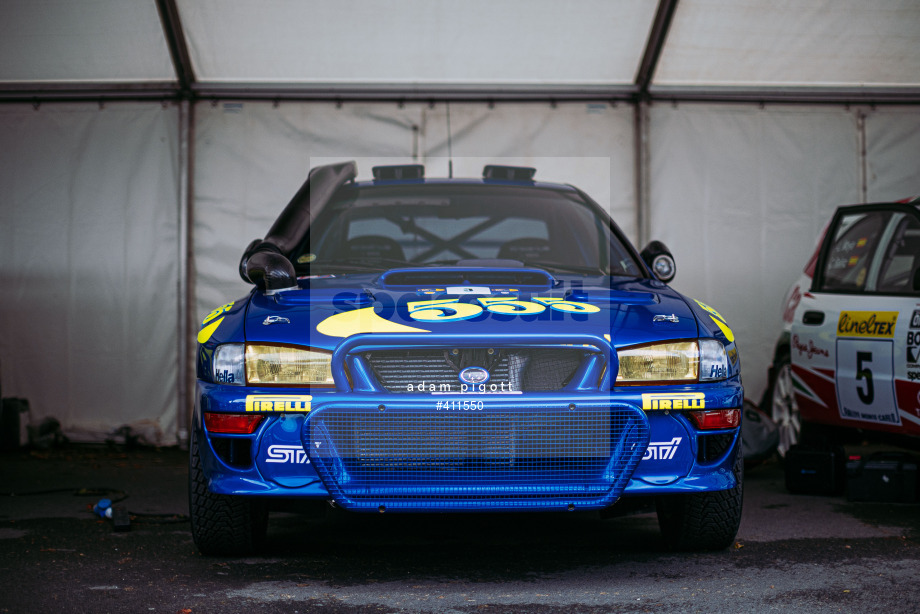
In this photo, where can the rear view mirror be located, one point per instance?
(658, 258)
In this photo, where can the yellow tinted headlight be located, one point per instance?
(659, 362)
(275, 364)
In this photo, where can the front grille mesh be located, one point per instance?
(528, 370)
(461, 460)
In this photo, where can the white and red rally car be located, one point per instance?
(849, 354)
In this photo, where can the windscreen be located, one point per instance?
(444, 224)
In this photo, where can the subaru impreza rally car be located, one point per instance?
(461, 345)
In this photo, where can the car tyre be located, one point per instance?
(703, 521)
(222, 525)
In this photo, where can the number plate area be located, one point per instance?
(504, 458)
(865, 381)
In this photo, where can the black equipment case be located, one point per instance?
(815, 471)
(886, 477)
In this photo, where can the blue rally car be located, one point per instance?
(461, 345)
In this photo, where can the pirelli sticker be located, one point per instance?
(875, 324)
(674, 400)
(298, 403)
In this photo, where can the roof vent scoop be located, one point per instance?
(265, 262)
(508, 173)
(398, 172)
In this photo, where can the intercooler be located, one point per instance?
(553, 455)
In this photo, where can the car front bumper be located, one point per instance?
(467, 452)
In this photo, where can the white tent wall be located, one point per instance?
(250, 160)
(587, 144)
(892, 153)
(739, 193)
(90, 250)
(89, 254)
(252, 157)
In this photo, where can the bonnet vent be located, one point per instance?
(398, 172)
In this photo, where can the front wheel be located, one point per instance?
(706, 520)
(222, 524)
(783, 407)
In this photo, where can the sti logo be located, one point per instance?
(662, 450)
(287, 454)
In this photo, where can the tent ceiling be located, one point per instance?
(793, 43)
(310, 48)
(540, 42)
(82, 41)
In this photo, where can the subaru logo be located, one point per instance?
(474, 376)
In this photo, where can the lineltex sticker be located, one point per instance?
(279, 402)
(867, 324)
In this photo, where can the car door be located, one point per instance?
(855, 337)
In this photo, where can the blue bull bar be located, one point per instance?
(465, 452)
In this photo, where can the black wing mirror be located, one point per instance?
(264, 265)
(658, 258)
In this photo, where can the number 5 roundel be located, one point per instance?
(865, 367)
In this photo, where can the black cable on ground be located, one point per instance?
(115, 496)
(119, 495)
(145, 518)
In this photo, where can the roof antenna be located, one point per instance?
(450, 155)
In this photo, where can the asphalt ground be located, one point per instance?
(794, 553)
